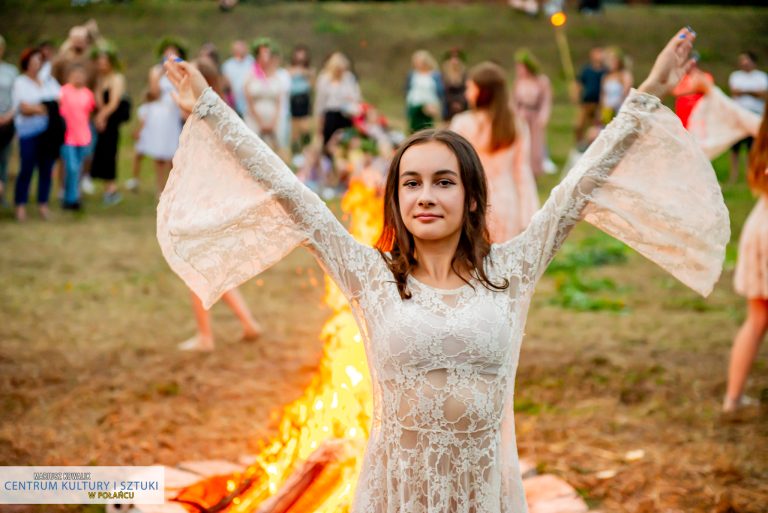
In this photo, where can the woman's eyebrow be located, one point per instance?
(438, 172)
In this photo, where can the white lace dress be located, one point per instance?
(442, 363)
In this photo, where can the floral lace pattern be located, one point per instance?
(442, 363)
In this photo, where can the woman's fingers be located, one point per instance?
(689, 66)
(173, 72)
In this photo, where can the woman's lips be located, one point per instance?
(426, 218)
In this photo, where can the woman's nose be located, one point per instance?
(426, 197)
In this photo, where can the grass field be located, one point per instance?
(624, 359)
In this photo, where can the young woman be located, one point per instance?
(615, 85)
(110, 87)
(532, 97)
(441, 310)
(302, 79)
(454, 83)
(504, 149)
(263, 92)
(423, 92)
(337, 97)
(162, 121)
(751, 277)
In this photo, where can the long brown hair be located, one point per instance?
(396, 243)
(758, 159)
(494, 99)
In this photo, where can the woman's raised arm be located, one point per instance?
(645, 181)
(232, 207)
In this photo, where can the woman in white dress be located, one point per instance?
(264, 96)
(616, 84)
(162, 122)
(441, 310)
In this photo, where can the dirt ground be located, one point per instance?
(90, 374)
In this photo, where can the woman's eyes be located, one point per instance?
(445, 182)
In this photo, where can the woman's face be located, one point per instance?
(77, 77)
(170, 53)
(430, 191)
(103, 65)
(419, 64)
(35, 63)
(264, 56)
(471, 93)
(521, 71)
(300, 57)
(612, 61)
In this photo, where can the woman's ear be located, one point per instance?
(473, 206)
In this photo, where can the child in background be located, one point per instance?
(76, 105)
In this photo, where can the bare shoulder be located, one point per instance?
(462, 122)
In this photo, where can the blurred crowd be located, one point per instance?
(65, 106)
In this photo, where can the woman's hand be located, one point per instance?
(188, 81)
(100, 121)
(671, 65)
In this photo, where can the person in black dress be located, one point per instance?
(111, 112)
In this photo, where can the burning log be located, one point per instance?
(312, 483)
(217, 493)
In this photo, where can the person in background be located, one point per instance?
(76, 105)
(75, 50)
(749, 88)
(208, 63)
(689, 91)
(110, 88)
(337, 97)
(532, 98)
(302, 78)
(236, 70)
(616, 84)
(503, 144)
(162, 121)
(284, 125)
(751, 277)
(203, 340)
(588, 95)
(8, 74)
(31, 120)
(423, 92)
(454, 83)
(264, 92)
(48, 50)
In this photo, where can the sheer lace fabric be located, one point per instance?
(717, 122)
(442, 363)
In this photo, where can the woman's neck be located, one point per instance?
(435, 262)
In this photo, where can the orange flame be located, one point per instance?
(336, 406)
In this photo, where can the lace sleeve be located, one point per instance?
(232, 208)
(645, 182)
(717, 122)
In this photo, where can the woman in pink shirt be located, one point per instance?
(76, 105)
